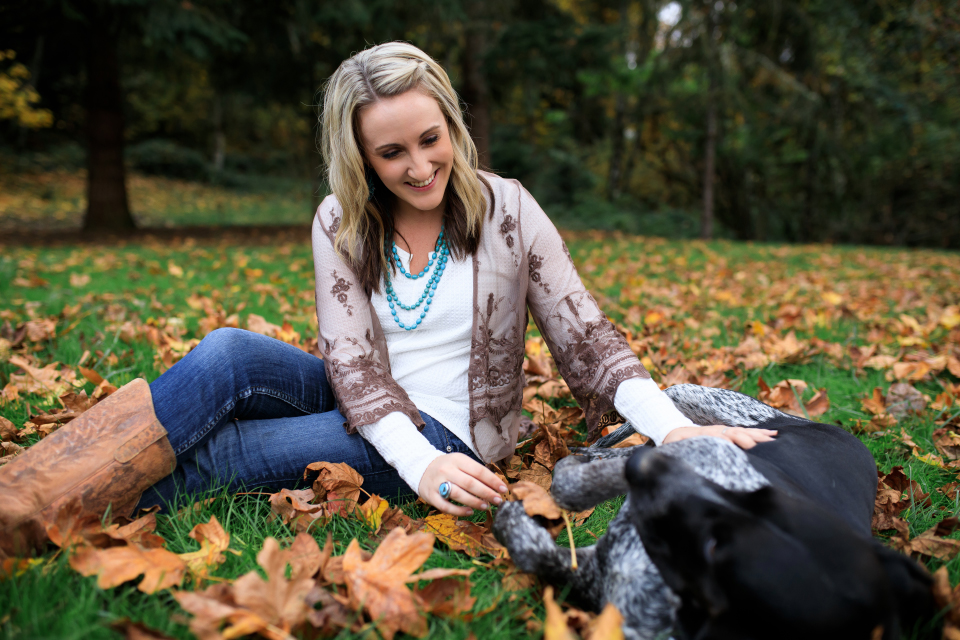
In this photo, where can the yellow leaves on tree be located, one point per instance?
(18, 98)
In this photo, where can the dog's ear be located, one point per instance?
(912, 590)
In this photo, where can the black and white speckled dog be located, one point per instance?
(714, 542)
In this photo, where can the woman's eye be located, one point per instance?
(390, 155)
(431, 140)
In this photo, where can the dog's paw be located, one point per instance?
(530, 545)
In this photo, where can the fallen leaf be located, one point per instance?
(281, 600)
(8, 430)
(137, 630)
(213, 542)
(446, 597)
(536, 500)
(371, 512)
(903, 399)
(463, 535)
(113, 566)
(336, 482)
(555, 626)
(378, 585)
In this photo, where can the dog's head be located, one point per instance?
(764, 564)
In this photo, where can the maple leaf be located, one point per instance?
(294, 506)
(536, 501)
(446, 597)
(279, 600)
(113, 566)
(213, 542)
(555, 626)
(371, 512)
(337, 481)
(378, 585)
(8, 430)
(464, 535)
(903, 398)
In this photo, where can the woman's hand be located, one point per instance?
(472, 484)
(741, 436)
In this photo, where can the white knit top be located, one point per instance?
(431, 362)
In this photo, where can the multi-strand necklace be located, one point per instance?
(437, 263)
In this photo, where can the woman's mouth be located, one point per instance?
(425, 185)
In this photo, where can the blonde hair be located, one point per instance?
(378, 72)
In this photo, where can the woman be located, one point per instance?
(425, 271)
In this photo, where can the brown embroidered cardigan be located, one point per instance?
(521, 263)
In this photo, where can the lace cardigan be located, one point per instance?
(521, 262)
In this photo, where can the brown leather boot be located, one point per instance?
(104, 459)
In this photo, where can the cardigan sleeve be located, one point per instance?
(356, 360)
(592, 356)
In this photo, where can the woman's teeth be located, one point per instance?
(425, 182)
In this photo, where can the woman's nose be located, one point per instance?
(420, 168)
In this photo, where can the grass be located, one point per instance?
(55, 200)
(708, 296)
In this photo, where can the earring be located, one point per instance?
(371, 187)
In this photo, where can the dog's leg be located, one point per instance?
(617, 570)
(706, 406)
(534, 551)
(583, 481)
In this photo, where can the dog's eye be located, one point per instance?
(710, 548)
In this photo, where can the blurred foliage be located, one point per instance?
(836, 120)
(18, 97)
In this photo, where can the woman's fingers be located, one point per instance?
(446, 506)
(481, 496)
(746, 438)
(466, 497)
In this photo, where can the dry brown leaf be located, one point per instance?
(378, 585)
(281, 600)
(463, 535)
(336, 482)
(8, 430)
(555, 626)
(876, 403)
(294, 506)
(213, 542)
(446, 597)
(551, 447)
(371, 512)
(538, 475)
(536, 500)
(903, 399)
(160, 568)
(137, 630)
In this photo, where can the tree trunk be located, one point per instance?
(219, 138)
(107, 205)
(616, 149)
(706, 217)
(710, 148)
(34, 82)
(475, 91)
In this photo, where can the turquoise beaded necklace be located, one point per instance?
(438, 262)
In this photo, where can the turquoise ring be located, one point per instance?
(444, 490)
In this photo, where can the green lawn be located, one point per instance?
(686, 307)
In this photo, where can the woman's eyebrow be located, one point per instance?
(397, 144)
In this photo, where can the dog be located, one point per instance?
(717, 543)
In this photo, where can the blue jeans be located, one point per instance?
(246, 411)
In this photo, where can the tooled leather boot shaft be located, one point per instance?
(103, 459)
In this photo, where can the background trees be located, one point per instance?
(798, 120)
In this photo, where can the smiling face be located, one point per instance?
(406, 141)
